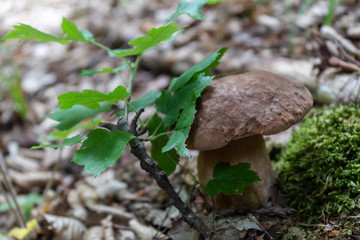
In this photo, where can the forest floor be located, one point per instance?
(284, 37)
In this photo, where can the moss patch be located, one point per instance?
(321, 164)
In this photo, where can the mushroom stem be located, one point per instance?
(248, 149)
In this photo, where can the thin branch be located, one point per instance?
(152, 138)
(9, 202)
(134, 68)
(147, 163)
(111, 51)
(252, 218)
(133, 125)
(187, 171)
(129, 88)
(19, 214)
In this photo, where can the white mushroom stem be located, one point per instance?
(248, 149)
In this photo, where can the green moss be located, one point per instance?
(321, 164)
(349, 228)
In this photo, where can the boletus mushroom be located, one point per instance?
(233, 113)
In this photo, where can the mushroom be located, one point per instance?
(232, 115)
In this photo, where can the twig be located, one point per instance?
(147, 163)
(18, 213)
(133, 70)
(133, 125)
(315, 225)
(348, 217)
(9, 202)
(253, 218)
(162, 223)
(213, 215)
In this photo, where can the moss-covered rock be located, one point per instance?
(321, 164)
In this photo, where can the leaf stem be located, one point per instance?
(187, 171)
(149, 120)
(133, 68)
(152, 138)
(111, 51)
(122, 79)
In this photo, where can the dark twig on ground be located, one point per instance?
(148, 164)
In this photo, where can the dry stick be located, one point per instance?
(9, 202)
(253, 218)
(147, 163)
(18, 213)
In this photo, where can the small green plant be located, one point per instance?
(10, 82)
(103, 146)
(331, 12)
(321, 164)
(25, 203)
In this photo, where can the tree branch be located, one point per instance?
(148, 164)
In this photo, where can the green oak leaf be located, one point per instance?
(231, 179)
(24, 31)
(91, 98)
(171, 104)
(182, 128)
(144, 101)
(177, 139)
(101, 149)
(203, 66)
(191, 8)
(67, 142)
(84, 125)
(155, 37)
(187, 115)
(179, 108)
(73, 33)
(68, 118)
(167, 161)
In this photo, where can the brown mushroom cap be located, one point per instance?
(236, 106)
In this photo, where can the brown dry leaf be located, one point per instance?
(338, 87)
(108, 228)
(65, 227)
(89, 198)
(94, 233)
(181, 231)
(28, 180)
(334, 233)
(145, 232)
(17, 161)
